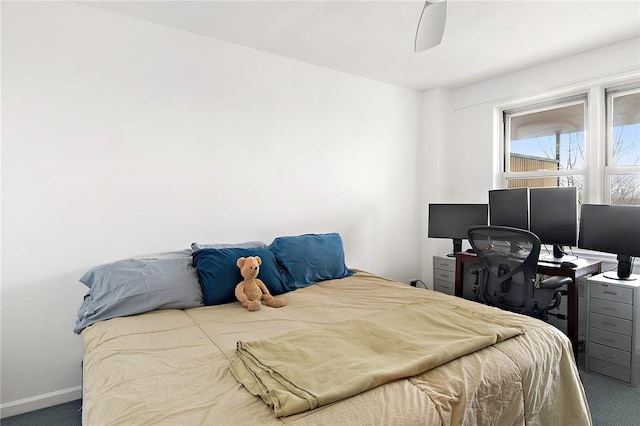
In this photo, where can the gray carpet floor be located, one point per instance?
(68, 414)
(611, 404)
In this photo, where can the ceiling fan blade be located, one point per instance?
(431, 25)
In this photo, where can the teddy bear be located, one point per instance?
(251, 291)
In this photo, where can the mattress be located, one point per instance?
(173, 366)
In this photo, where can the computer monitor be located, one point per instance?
(453, 220)
(611, 229)
(553, 217)
(509, 207)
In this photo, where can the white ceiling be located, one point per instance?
(482, 39)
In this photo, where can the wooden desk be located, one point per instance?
(584, 267)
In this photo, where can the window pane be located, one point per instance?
(625, 135)
(625, 189)
(548, 182)
(548, 140)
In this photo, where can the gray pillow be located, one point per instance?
(90, 276)
(247, 245)
(134, 286)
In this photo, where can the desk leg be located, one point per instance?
(572, 314)
(458, 275)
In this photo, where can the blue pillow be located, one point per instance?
(219, 273)
(309, 258)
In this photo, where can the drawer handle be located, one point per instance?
(615, 293)
(609, 309)
(610, 324)
(608, 340)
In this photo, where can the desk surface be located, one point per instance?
(555, 269)
(546, 268)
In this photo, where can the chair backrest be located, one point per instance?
(509, 257)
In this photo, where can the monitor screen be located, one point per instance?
(509, 207)
(553, 215)
(453, 220)
(611, 229)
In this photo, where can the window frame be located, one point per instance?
(566, 101)
(594, 185)
(609, 168)
(596, 173)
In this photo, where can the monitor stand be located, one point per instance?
(624, 269)
(457, 247)
(557, 257)
(557, 252)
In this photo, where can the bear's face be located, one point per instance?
(249, 266)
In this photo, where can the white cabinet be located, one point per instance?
(613, 328)
(444, 274)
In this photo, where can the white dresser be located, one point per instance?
(444, 274)
(613, 328)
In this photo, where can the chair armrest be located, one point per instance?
(555, 282)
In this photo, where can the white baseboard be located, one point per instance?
(40, 401)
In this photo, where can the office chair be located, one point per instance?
(507, 276)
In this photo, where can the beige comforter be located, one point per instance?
(172, 366)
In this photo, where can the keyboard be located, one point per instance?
(564, 263)
(555, 262)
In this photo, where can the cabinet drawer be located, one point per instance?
(444, 286)
(439, 274)
(612, 292)
(609, 369)
(617, 325)
(615, 309)
(447, 265)
(614, 356)
(607, 338)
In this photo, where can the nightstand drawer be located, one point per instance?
(609, 369)
(439, 274)
(617, 325)
(612, 292)
(607, 338)
(615, 309)
(446, 264)
(444, 287)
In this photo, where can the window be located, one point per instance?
(545, 144)
(622, 171)
(554, 144)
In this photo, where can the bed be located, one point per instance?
(460, 363)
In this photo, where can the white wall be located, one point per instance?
(436, 126)
(122, 137)
(471, 150)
